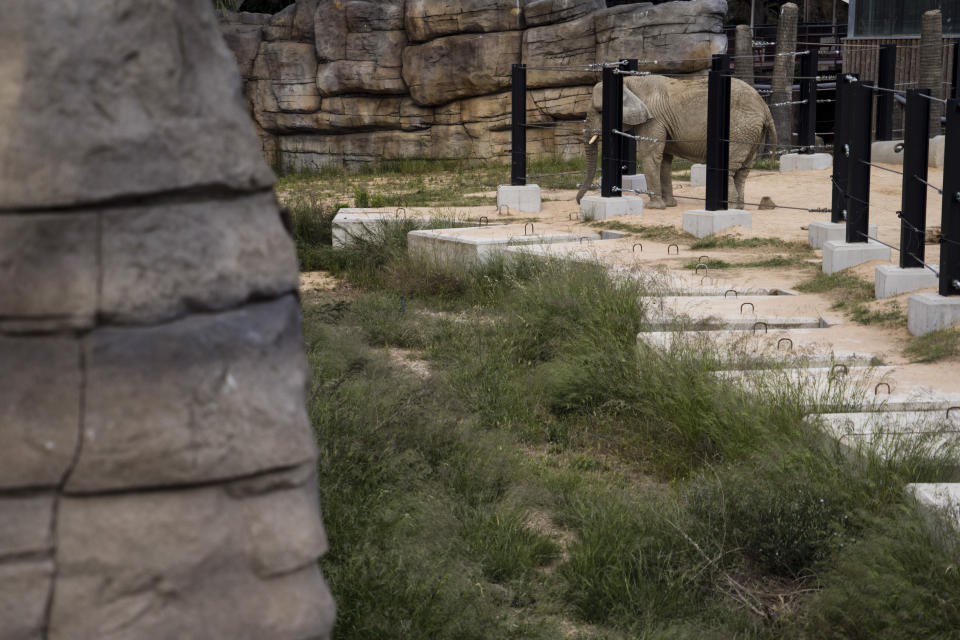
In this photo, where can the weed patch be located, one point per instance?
(934, 346)
(854, 296)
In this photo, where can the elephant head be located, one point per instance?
(635, 113)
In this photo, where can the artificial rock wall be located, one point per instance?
(157, 467)
(352, 81)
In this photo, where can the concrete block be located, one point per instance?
(467, 246)
(524, 198)
(892, 280)
(637, 182)
(702, 223)
(351, 223)
(805, 162)
(938, 496)
(698, 175)
(600, 208)
(885, 152)
(838, 256)
(928, 312)
(821, 232)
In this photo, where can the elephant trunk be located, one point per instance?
(591, 151)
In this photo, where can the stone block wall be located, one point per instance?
(157, 467)
(352, 81)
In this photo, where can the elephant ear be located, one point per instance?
(635, 112)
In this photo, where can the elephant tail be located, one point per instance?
(769, 128)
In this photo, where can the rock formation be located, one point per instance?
(398, 78)
(157, 468)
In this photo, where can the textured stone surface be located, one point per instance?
(562, 46)
(292, 69)
(428, 19)
(541, 12)
(24, 588)
(141, 97)
(222, 397)
(461, 66)
(673, 37)
(165, 260)
(354, 113)
(39, 409)
(244, 42)
(280, 25)
(26, 522)
(234, 562)
(48, 270)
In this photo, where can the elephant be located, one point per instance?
(675, 111)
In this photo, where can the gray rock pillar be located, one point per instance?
(743, 62)
(782, 83)
(931, 64)
(157, 467)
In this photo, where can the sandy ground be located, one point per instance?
(803, 190)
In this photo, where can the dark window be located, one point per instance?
(902, 17)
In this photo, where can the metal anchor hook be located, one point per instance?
(752, 308)
(703, 259)
(733, 291)
(401, 211)
(840, 366)
(696, 270)
(529, 224)
(482, 219)
(782, 340)
(952, 409)
(759, 323)
(501, 208)
(876, 389)
(639, 244)
(677, 247)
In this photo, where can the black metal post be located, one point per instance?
(518, 130)
(886, 72)
(950, 222)
(955, 84)
(612, 119)
(841, 138)
(913, 205)
(629, 151)
(809, 66)
(858, 167)
(718, 133)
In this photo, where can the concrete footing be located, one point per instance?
(928, 312)
(466, 246)
(524, 198)
(885, 152)
(892, 280)
(352, 223)
(822, 232)
(637, 182)
(942, 497)
(838, 256)
(805, 161)
(600, 208)
(698, 175)
(702, 223)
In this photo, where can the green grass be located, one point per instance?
(854, 296)
(549, 479)
(660, 232)
(733, 242)
(934, 346)
(765, 263)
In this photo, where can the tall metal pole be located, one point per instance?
(858, 183)
(886, 71)
(809, 65)
(612, 119)
(950, 221)
(955, 78)
(518, 130)
(629, 149)
(718, 133)
(913, 204)
(841, 139)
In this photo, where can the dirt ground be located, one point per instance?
(802, 190)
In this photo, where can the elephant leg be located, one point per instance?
(740, 180)
(733, 195)
(651, 169)
(666, 180)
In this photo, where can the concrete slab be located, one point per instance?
(698, 175)
(474, 245)
(702, 223)
(838, 256)
(885, 152)
(943, 497)
(524, 198)
(637, 182)
(892, 280)
(600, 208)
(716, 323)
(888, 433)
(822, 232)
(928, 312)
(353, 222)
(805, 161)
